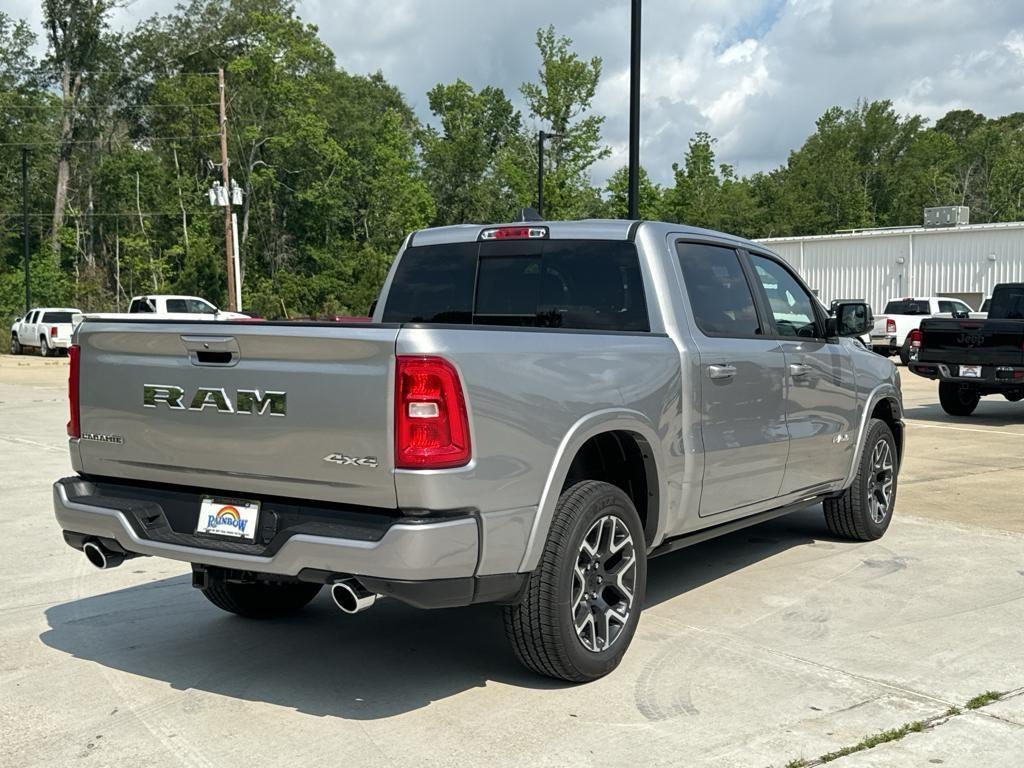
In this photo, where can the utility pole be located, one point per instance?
(24, 225)
(228, 233)
(634, 112)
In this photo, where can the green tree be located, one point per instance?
(649, 204)
(463, 161)
(560, 102)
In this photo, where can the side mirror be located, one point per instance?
(850, 319)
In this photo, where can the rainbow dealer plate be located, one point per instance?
(234, 519)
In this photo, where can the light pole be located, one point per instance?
(542, 136)
(24, 226)
(634, 112)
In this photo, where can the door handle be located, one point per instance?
(721, 371)
(796, 370)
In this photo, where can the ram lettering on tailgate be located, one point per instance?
(246, 401)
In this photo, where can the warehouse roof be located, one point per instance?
(889, 231)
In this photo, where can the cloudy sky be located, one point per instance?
(754, 73)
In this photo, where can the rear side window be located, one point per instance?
(572, 284)
(57, 317)
(719, 294)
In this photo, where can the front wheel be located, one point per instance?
(16, 348)
(958, 399)
(260, 599)
(583, 600)
(864, 510)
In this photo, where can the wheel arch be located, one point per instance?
(884, 403)
(639, 472)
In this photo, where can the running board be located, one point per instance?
(705, 534)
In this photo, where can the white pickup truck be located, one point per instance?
(48, 328)
(892, 331)
(171, 307)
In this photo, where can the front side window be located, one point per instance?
(719, 294)
(791, 306)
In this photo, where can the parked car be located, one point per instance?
(535, 411)
(47, 328)
(973, 358)
(901, 316)
(175, 307)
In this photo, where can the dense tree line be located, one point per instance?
(122, 131)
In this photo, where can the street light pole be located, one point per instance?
(24, 225)
(634, 112)
(542, 136)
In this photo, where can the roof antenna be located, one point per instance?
(529, 214)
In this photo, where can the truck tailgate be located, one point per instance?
(972, 342)
(291, 410)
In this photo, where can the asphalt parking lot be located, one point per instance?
(770, 646)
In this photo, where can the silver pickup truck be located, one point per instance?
(535, 411)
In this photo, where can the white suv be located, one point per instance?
(48, 328)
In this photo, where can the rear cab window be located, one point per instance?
(57, 317)
(908, 307)
(568, 284)
(1007, 303)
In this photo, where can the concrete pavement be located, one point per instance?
(769, 645)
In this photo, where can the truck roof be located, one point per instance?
(588, 229)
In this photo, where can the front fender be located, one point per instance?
(609, 420)
(884, 391)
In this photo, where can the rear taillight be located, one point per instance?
(915, 338)
(431, 422)
(890, 325)
(74, 422)
(53, 330)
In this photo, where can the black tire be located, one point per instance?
(261, 599)
(44, 347)
(542, 626)
(905, 352)
(856, 513)
(957, 399)
(16, 348)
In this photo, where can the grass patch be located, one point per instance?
(869, 742)
(982, 699)
(952, 711)
(798, 763)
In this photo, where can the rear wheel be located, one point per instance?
(905, 352)
(16, 348)
(582, 602)
(260, 599)
(958, 399)
(864, 510)
(44, 347)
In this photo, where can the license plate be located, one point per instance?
(233, 519)
(970, 371)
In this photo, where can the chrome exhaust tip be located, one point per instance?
(351, 597)
(100, 556)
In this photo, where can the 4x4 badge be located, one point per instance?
(351, 461)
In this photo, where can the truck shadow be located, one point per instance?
(386, 661)
(992, 412)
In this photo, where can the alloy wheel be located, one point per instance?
(881, 481)
(603, 584)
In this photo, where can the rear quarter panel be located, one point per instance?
(534, 395)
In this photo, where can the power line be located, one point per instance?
(140, 140)
(57, 105)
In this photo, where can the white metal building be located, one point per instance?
(880, 264)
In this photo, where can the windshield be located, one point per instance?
(907, 307)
